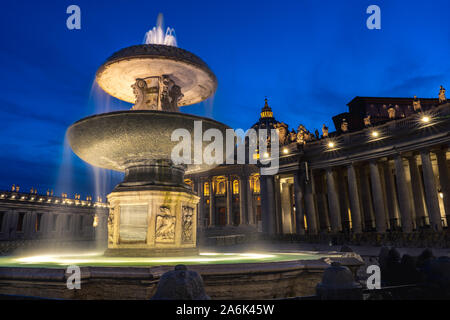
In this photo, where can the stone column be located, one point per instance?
(311, 213)
(431, 191)
(298, 198)
(333, 203)
(212, 206)
(242, 200)
(444, 180)
(286, 209)
(354, 199)
(250, 212)
(366, 199)
(229, 201)
(201, 203)
(403, 195)
(378, 200)
(392, 205)
(267, 204)
(416, 185)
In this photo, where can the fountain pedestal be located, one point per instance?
(152, 223)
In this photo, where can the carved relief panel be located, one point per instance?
(165, 226)
(187, 232)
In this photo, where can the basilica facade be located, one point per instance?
(384, 170)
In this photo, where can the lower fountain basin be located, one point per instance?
(260, 275)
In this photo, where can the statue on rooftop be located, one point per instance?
(301, 132)
(292, 136)
(367, 121)
(344, 125)
(442, 98)
(316, 133)
(391, 112)
(282, 130)
(416, 104)
(324, 131)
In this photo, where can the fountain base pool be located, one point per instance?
(253, 275)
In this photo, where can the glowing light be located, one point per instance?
(331, 144)
(266, 154)
(375, 134)
(426, 119)
(95, 223)
(285, 151)
(441, 195)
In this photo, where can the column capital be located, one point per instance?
(441, 150)
(351, 164)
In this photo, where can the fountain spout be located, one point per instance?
(156, 35)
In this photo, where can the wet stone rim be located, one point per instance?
(157, 51)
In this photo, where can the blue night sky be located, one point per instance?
(310, 58)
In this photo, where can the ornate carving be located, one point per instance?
(146, 96)
(170, 94)
(416, 104)
(165, 226)
(442, 98)
(187, 234)
(156, 93)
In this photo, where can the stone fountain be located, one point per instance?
(152, 211)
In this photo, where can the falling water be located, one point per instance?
(208, 106)
(157, 35)
(64, 183)
(101, 102)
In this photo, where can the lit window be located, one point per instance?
(254, 183)
(220, 185)
(236, 187)
(206, 189)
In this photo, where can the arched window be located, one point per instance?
(254, 183)
(221, 185)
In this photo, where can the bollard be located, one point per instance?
(180, 284)
(338, 284)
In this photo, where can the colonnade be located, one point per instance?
(405, 191)
(208, 204)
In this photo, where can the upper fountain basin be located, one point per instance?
(119, 140)
(190, 73)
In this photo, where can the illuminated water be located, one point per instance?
(97, 259)
(157, 35)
